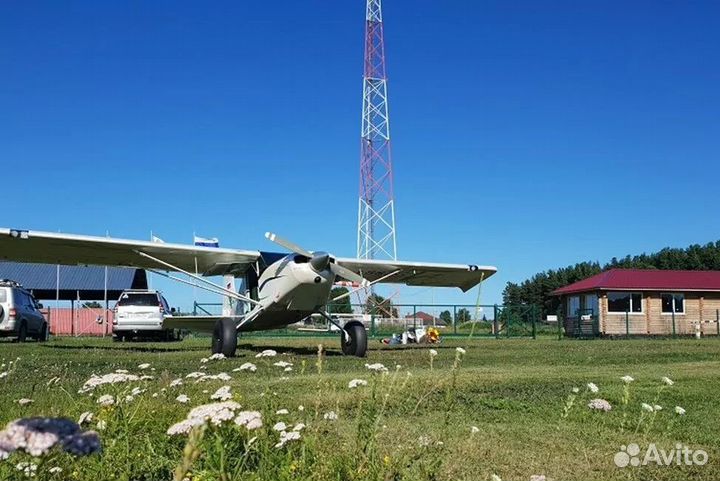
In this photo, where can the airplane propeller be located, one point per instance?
(319, 260)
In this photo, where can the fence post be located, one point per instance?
(454, 319)
(414, 316)
(717, 320)
(496, 321)
(627, 324)
(559, 327)
(673, 321)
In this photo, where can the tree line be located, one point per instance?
(536, 290)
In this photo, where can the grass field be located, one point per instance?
(415, 422)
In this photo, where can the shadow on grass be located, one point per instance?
(127, 348)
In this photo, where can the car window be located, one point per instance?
(138, 299)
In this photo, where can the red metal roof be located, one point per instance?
(646, 280)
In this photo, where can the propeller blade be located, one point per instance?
(341, 271)
(287, 244)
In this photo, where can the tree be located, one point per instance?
(446, 317)
(92, 305)
(377, 304)
(341, 306)
(462, 315)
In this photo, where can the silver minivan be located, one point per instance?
(20, 314)
(140, 314)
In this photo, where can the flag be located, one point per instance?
(156, 239)
(203, 242)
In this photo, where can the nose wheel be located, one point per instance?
(224, 340)
(353, 336)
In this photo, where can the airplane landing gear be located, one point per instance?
(224, 339)
(354, 339)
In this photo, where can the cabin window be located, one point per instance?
(673, 303)
(622, 302)
(573, 304)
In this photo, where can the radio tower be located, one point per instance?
(376, 207)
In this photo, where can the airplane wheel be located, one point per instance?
(354, 339)
(224, 339)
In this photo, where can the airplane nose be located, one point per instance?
(320, 261)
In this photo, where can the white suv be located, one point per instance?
(20, 314)
(140, 313)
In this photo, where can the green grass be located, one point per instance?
(413, 423)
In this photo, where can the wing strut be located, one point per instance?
(226, 292)
(349, 293)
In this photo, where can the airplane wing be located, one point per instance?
(67, 249)
(463, 276)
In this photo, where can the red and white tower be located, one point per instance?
(376, 207)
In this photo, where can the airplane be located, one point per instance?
(280, 289)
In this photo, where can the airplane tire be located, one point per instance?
(224, 339)
(357, 345)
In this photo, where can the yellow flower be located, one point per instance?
(386, 460)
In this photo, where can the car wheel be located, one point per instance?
(22, 332)
(44, 334)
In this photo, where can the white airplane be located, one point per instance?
(281, 289)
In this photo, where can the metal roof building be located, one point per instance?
(74, 282)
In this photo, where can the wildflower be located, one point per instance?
(112, 378)
(85, 417)
(223, 376)
(575, 390)
(356, 383)
(424, 441)
(646, 407)
(282, 364)
(282, 411)
(27, 468)
(495, 477)
(627, 379)
(668, 381)
(377, 367)
(215, 413)
(176, 382)
(474, 430)
(55, 470)
(223, 394)
(136, 391)
(288, 369)
(106, 400)
(250, 419)
(280, 426)
(204, 360)
(600, 405)
(267, 353)
(680, 411)
(121, 371)
(537, 477)
(101, 425)
(3, 374)
(195, 374)
(433, 352)
(592, 387)
(248, 366)
(299, 427)
(657, 408)
(217, 357)
(129, 398)
(460, 350)
(301, 408)
(286, 437)
(25, 401)
(144, 365)
(182, 399)
(330, 416)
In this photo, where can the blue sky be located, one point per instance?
(527, 135)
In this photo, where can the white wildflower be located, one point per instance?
(433, 352)
(627, 379)
(592, 387)
(136, 391)
(424, 441)
(282, 411)
(288, 369)
(474, 429)
(377, 367)
(599, 405)
(646, 407)
(85, 417)
(121, 371)
(267, 353)
(250, 419)
(495, 477)
(668, 381)
(28, 469)
(223, 394)
(248, 366)
(144, 365)
(657, 407)
(106, 400)
(680, 411)
(129, 398)
(25, 401)
(460, 350)
(112, 378)
(537, 477)
(286, 437)
(299, 427)
(356, 383)
(3, 374)
(195, 374)
(182, 399)
(204, 360)
(217, 357)
(575, 390)
(330, 416)
(101, 425)
(55, 470)
(176, 382)
(281, 426)
(301, 408)
(215, 413)
(282, 364)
